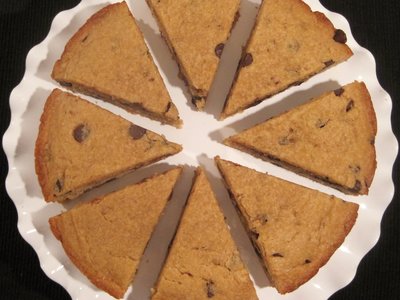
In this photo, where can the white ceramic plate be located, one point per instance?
(201, 138)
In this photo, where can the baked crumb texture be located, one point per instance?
(196, 32)
(203, 262)
(295, 230)
(289, 43)
(81, 145)
(330, 139)
(105, 238)
(107, 58)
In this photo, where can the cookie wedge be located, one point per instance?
(289, 44)
(329, 139)
(196, 32)
(108, 58)
(294, 229)
(80, 146)
(106, 237)
(203, 261)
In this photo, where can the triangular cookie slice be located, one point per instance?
(105, 238)
(81, 145)
(108, 58)
(330, 139)
(196, 32)
(294, 229)
(289, 44)
(203, 261)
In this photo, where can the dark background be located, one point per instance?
(24, 23)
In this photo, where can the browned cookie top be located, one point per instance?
(289, 43)
(196, 32)
(330, 139)
(203, 262)
(108, 58)
(81, 145)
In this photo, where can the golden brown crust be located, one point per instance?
(41, 146)
(108, 58)
(53, 222)
(285, 51)
(294, 229)
(81, 34)
(285, 287)
(121, 241)
(67, 167)
(329, 139)
(367, 105)
(105, 285)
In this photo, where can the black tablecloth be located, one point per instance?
(24, 23)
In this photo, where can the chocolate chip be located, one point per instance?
(257, 248)
(256, 102)
(59, 185)
(350, 105)
(357, 187)
(328, 63)
(340, 36)
(339, 92)
(66, 84)
(307, 261)
(210, 289)
(262, 218)
(219, 49)
(196, 99)
(254, 234)
(247, 60)
(232, 196)
(81, 132)
(277, 255)
(321, 124)
(296, 83)
(84, 39)
(136, 132)
(169, 105)
(372, 141)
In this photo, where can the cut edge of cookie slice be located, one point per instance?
(197, 76)
(329, 139)
(170, 117)
(293, 238)
(203, 260)
(236, 103)
(91, 225)
(76, 148)
(151, 100)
